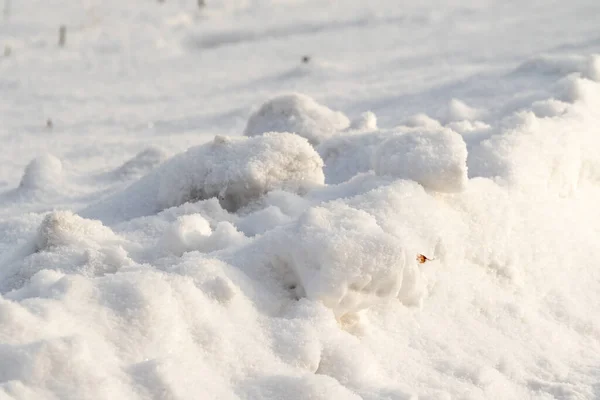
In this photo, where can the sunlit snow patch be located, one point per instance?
(235, 170)
(435, 159)
(552, 148)
(299, 114)
(68, 243)
(342, 257)
(42, 181)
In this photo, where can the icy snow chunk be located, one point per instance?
(238, 171)
(342, 257)
(435, 159)
(299, 114)
(43, 172)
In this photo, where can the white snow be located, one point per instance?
(435, 159)
(41, 173)
(298, 113)
(411, 214)
(234, 170)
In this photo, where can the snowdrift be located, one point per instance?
(234, 170)
(318, 258)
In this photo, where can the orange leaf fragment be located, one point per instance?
(422, 259)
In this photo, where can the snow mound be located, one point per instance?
(435, 159)
(348, 155)
(234, 170)
(63, 228)
(342, 257)
(238, 171)
(193, 233)
(365, 122)
(67, 243)
(141, 163)
(551, 148)
(41, 173)
(299, 114)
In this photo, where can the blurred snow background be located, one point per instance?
(159, 241)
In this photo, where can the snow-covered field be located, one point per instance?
(163, 237)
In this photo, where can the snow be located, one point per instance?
(235, 170)
(437, 160)
(297, 113)
(411, 213)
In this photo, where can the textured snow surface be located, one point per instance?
(437, 160)
(234, 170)
(299, 114)
(412, 212)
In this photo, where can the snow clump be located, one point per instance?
(435, 159)
(299, 114)
(236, 170)
(342, 257)
(42, 172)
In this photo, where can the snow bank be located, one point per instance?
(550, 150)
(238, 171)
(41, 173)
(67, 243)
(302, 289)
(435, 159)
(235, 170)
(43, 183)
(299, 114)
